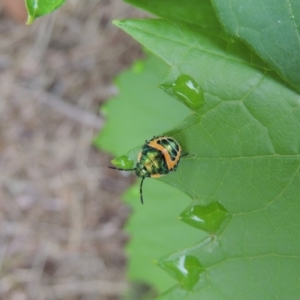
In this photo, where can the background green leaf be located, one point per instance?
(155, 230)
(140, 111)
(38, 8)
(198, 12)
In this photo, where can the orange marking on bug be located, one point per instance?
(170, 163)
(155, 175)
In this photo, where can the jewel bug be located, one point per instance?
(157, 157)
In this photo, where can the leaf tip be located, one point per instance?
(117, 22)
(30, 19)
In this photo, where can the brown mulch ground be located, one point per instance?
(60, 211)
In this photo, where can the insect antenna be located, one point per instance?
(141, 185)
(141, 190)
(114, 168)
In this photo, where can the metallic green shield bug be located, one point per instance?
(157, 157)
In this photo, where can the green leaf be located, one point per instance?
(38, 8)
(270, 27)
(244, 155)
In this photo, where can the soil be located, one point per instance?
(60, 210)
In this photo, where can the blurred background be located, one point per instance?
(60, 212)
